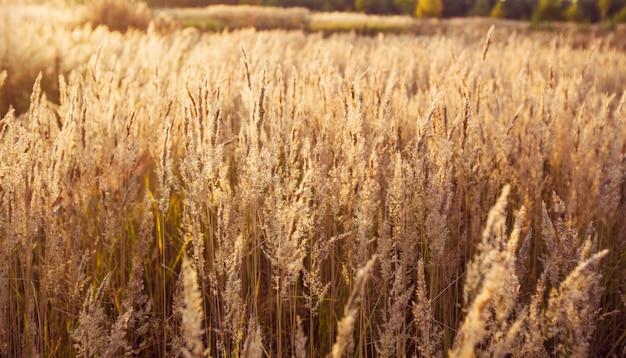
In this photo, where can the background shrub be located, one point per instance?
(118, 15)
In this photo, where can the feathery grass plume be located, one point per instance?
(611, 178)
(8, 241)
(367, 205)
(194, 180)
(507, 345)
(403, 241)
(130, 332)
(389, 225)
(164, 169)
(572, 310)
(393, 333)
(428, 338)
(316, 289)
(385, 249)
(90, 337)
(350, 171)
(201, 169)
(436, 148)
(287, 226)
(165, 181)
(345, 327)
(311, 278)
(233, 304)
(176, 341)
(6, 247)
(531, 340)
(562, 241)
(192, 311)
(299, 342)
(4, 305)
(3, 77)
(432, 155)
(20, 241)
(141, 320)
(491, 287)
(253, 346)
(487, 42)
(257, 158)
(117, 339)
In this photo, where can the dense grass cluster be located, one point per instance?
(220, 17)
(287, 194)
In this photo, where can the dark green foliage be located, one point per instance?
(406, 6)
(620, 16)
(548, 10)
(518, 9)
(482, 8)
(573, 13)
(457, 8)
(375, 6)
(589, 9)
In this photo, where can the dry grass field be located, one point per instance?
(285, 193)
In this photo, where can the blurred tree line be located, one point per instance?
(536, 10)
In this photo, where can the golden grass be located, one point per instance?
(181, 193)
(118, 15)
(341, 21)
(220, 17)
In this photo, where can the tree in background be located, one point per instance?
(603, 7)
(573, 13)
(600, 10)
(340, 5)
(456, 8)
(498, 10)
(362, 5)
(518, 9)
(547, 10)
(588, 9)
(375, 6)
(429, 8)
(406, 6)
(481, 8)
(620, 16)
